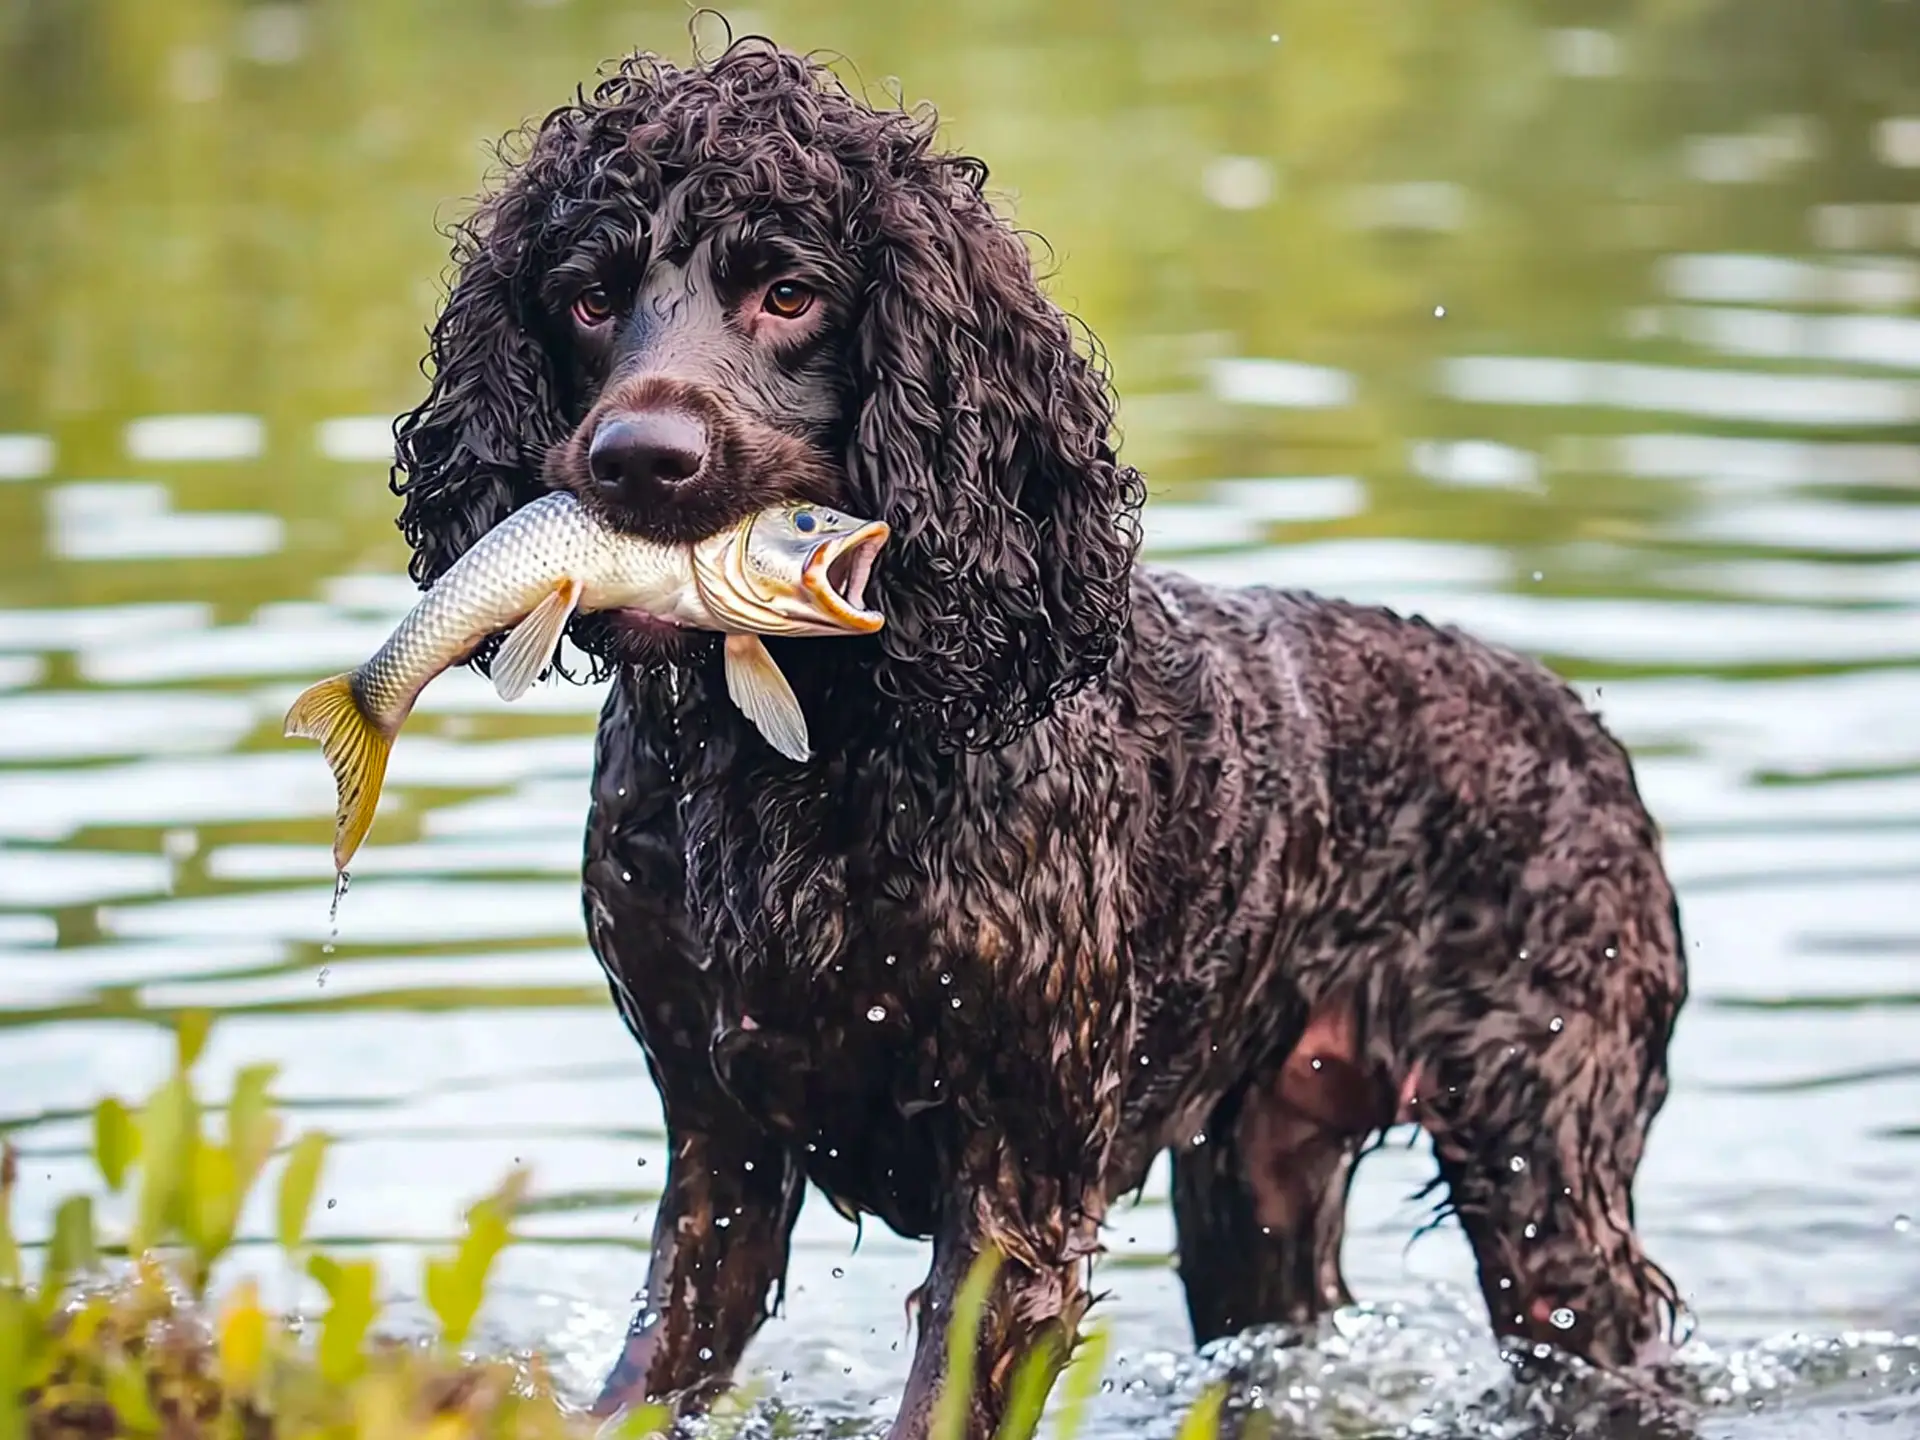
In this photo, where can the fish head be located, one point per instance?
(795, 568)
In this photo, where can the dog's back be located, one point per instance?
(1397, 874)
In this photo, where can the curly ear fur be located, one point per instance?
(470, 453)
(982, 437)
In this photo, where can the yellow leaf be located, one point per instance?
(14, 1330)
(641, 1422)
(297, 1184)
(1027, 1397)
(1202, 1422)
(216, 1200)
(70, 1249)
(1080, 1381)
(252, 1127)
(190, 1036)
(350, 1285)
(243, 1339)
(116, 1141)
(168, 1126)
(963, 1327)
(9, 1247)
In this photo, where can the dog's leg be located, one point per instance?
(1538, 1146)
(1260, 1204)
(1259, 1210)
(1032, 1306)
(719, 1258)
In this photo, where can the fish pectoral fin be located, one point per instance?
(530, 646)
(765, 697)
(356, 750)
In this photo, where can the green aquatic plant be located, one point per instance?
(122, 1335)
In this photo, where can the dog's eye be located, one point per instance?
(592, 307)
(788, 299)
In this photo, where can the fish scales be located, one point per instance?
(492, 586)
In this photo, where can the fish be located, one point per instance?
(795, 569)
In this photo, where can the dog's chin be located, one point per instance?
(632, 637)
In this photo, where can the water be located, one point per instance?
(1604, 341)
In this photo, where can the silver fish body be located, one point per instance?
(505, 574)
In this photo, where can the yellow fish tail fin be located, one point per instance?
(356, 749)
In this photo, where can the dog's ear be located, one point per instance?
(981, 437)
(470, 453)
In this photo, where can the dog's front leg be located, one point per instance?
(1034, 1304)
(720, 1241)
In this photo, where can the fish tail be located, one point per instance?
(356, 749)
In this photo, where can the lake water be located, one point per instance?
(1593, 326)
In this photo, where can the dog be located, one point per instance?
(1090, 861)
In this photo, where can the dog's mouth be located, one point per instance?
(836, 574)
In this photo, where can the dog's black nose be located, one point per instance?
(646, 449)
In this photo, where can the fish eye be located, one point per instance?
(803, 521)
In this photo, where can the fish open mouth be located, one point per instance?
(836, 575)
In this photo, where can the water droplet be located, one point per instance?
(1902, 1224)
(1532, 1231)
(724, 1221)
(877, 1014)
(321, 978)
(1316, 1062)
(1611, 952)
(1200, 1139)
(1439, 312)
(340, 884)
(1556, 1025)
(838, 1273)
(892, 958)
(1562, 1319)
(706, 1352)
(327, 949)
(1542, 1350)
(956, 1002)
(1538, 576)
(1517, 1164)
(946, 977)
(622, 790)
(749, 1164)
(331, 1203)
(1505, 1283)
(627, 875)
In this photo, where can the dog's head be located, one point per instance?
(705, 289)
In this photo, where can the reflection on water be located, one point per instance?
(1601, 339)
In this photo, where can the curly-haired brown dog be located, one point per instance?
(1092, 861)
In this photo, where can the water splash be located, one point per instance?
(340, 884)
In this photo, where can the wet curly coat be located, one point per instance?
(1091, 861)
